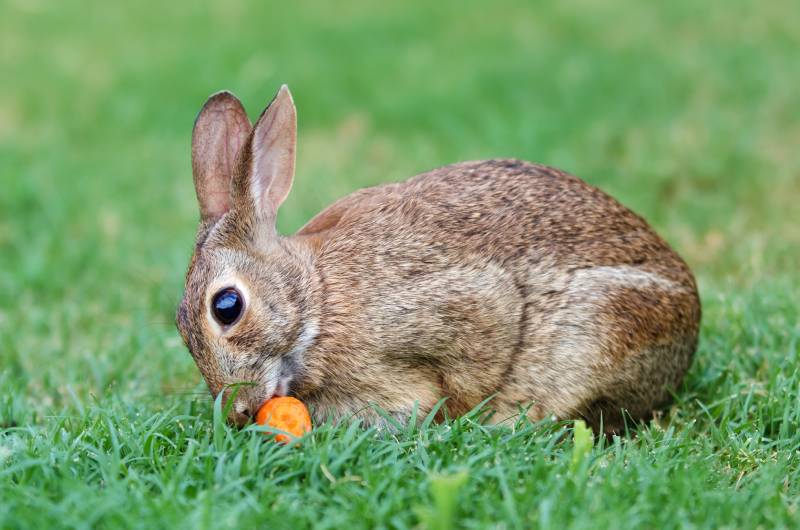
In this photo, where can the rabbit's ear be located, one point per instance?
(220, 130)
(268, 161)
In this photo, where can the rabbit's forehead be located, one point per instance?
(219, 268)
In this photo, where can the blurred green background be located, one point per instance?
(688, 112)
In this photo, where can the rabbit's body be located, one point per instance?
(498, 278)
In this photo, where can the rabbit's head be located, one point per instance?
(245, 310)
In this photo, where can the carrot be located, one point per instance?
(287, 414)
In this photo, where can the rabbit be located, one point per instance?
(498, 279)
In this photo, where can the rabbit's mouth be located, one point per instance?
(276, 376)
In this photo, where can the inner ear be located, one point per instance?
(269, 157)
(220, 131)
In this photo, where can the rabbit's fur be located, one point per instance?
(495, 278)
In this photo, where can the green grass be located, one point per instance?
(686, 111)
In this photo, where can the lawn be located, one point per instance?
(688, 112)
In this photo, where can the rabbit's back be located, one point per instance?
(509, 278)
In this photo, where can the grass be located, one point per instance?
(686, 112)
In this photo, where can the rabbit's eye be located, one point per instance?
(227, 306)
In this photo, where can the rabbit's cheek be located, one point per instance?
(293, 361)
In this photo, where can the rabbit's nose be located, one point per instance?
(239, 419)
(241, 414)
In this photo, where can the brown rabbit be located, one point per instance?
(496, 278)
